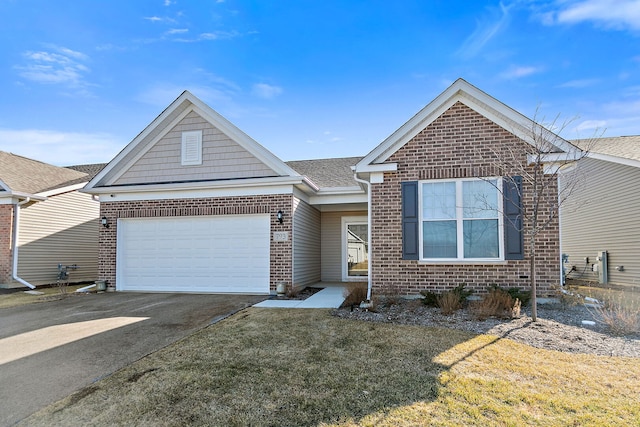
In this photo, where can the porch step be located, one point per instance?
(329, 297)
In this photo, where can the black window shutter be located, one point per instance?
(410, 227)
(513, 235)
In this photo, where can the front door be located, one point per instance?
(355, 249)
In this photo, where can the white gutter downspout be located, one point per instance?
(368, 184)
(16, 225)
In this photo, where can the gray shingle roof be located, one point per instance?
(625, 147)
(30, 176)
(92, 169)
(327, 172)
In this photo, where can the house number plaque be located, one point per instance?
(280, 236)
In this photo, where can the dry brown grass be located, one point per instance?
(355, 293)
(266, 367)
(449, 303)
(496, 303)
(19, 298)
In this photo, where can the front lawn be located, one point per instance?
(279, 367)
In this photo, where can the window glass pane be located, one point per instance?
(357, 250)
(439, 239)
(480, 199)
(439, 200)
(481, 238)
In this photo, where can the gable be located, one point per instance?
(154, 157)
(461, 92)
(220, 157)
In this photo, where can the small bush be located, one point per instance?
(391, 294)
(449, 302)
(430, 298)
(354, 294)
(515, 293)
(497, 303)
(621, 319)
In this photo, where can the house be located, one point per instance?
(52, 222)
(194, 204)
(600, 225)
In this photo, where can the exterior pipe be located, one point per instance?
(16, 225)
(368, 184)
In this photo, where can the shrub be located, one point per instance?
(621, 319)
(354, 294)
(497, 303)
(515, 293)
(391, 294)
(449, 302)
(431, 299)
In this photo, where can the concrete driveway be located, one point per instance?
(49, 350)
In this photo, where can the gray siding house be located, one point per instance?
(53, 223)
(603, 214)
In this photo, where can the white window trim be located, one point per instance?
(459, 229)
(191, 145)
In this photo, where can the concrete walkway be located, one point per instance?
(332, 296)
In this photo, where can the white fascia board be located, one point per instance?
(19, 196)
(186, 186)
(614, 159)
(196, 193)
(337, 199)
(556, 157)
(62, 190)
(377, 167)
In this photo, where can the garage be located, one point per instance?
(207, 254)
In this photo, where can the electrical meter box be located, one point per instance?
(602, 266)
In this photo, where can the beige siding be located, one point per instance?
(222, 158)
(306, 243)
(603, 215)
(63, 229)
(331, 244)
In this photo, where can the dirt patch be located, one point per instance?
(558, 327)
(299, 295)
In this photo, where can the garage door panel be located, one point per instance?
(194, 254)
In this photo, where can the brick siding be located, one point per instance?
(281, 252)
(6, 230)
(458, 144)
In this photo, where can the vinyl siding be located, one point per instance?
(602, 215)
(306, 243)
(222, 158)
(63, 229)
(331, 244)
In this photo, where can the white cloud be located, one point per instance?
(579, 84)
(485, 31)
(616, 14)
(516, 72)
(61, 148)
(266, 91)
(59, 65)
(177, 31)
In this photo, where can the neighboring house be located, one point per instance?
(603, 213)
(53, 223)
(194, 204)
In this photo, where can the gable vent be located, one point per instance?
(192, 148)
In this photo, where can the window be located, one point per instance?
(460, 220)
(192, 148)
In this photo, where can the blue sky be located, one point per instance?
(306, 79)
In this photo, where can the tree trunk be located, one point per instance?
(534, 290)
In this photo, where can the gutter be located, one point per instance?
(16, 226)
(368, 184)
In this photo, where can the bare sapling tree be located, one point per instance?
(533, 169)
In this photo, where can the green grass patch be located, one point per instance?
(276, 367)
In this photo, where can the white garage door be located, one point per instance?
(194, 254)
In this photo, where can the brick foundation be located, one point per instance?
(6, 233)
(281, 252)
(458, 144)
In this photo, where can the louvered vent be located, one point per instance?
(192, 148)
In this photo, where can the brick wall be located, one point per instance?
(6, 258)
(458, 144)
(281, 252)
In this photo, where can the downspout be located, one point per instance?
(16, 225)
(368, 184)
